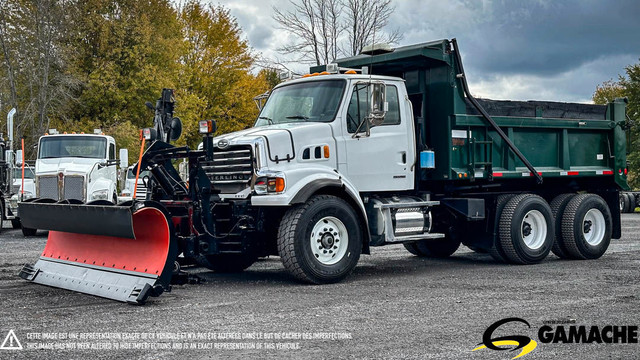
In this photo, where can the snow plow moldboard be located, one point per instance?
(124, 253)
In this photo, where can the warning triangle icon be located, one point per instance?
(11, 342)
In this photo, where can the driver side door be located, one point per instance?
(383, 160)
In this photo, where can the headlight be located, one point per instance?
(269, 185)
(126, 192)
(100, 195)
(26, 195)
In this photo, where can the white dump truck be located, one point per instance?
(77, 168)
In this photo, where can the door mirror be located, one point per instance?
(124, 158)
(8, 157)
(18, 157)
(378, 104)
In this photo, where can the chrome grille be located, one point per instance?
(141, 192)
(231, 169)
(48, 187)
(74, 188)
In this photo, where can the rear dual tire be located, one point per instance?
(436, 248)
(558, 205)
(632, 202)
(526, 229)
(586, 227)
(627, 203)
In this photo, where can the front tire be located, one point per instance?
(586, 227)
(29, 231)
(320, 241)
(526, 229)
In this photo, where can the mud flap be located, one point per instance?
(125, 262)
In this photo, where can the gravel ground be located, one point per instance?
(394, 305)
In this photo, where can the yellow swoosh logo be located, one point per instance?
(525, 350)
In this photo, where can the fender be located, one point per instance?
(311, 188)
(311, 181)
(341, 186)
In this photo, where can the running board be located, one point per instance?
(411, 238)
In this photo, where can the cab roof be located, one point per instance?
(71, 135)
(340, 77)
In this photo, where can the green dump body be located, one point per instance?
(561, 140)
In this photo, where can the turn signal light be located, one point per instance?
(275, 185)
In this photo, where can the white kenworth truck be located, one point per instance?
(77, 168)
(345, 159)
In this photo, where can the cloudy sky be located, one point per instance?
(520, 50)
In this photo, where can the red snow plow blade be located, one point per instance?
(124, 268)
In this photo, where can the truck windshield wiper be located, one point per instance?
(270, 120)
(302, 117)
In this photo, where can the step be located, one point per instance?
(407, 205)
(417, 237)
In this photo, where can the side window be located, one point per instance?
(112, 151)
(392, 117)
(359, 107)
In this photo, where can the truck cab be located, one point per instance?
(78, 167)
(319, 128)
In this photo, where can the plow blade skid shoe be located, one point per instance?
(113, 264)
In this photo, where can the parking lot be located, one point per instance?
(394, 305)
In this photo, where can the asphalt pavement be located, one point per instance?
(394, 305)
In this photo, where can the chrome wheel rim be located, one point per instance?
(329, 240)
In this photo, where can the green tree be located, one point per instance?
(128, 50)
(215, 79)
(35, 53)
(79, 65)
(628, 85)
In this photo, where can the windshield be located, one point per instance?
(308, 101)
(28, 173)
(73, 146)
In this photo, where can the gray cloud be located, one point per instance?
(534, 49)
